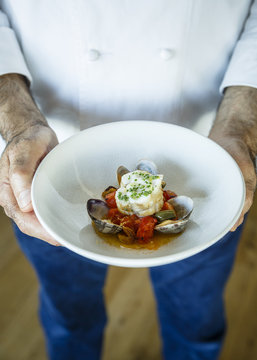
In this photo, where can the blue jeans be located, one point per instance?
(189, 296)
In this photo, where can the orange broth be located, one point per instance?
(158, 240)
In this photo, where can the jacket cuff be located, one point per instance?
(12, 60)
(242, 69)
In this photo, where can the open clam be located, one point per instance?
(183, 206)
(122, 170)
(97, 210)
(147, 165)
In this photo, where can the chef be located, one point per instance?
(69, 65)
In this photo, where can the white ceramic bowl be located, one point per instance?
(84, 165)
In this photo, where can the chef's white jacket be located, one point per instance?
(95, 61)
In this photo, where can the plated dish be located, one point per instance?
(139, 208)
(81, 167)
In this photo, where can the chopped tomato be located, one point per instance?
(136, 221)
(131, 221)
(112, 212)
(110, 199)
(146, 229)
(127, 221)
(115, 216)
(168, 194)
(167, 206)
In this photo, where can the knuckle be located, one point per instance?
(4, 198)
(3, 188)
(10, 211)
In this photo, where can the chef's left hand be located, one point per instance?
(240, 152)
(235, 129)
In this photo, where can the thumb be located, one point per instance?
(20, 176)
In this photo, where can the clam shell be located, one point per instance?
(147, 165)
(183, 206)
(97, 210)
(122, 170)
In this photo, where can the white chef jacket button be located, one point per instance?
(93, 55)
(167, 54)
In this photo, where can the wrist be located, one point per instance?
(18, 111)
(237, 117)
(11, 87)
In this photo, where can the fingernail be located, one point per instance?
(24, 199)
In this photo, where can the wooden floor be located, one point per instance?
(128, 336)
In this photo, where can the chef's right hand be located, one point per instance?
(29, 139)
(17, 167)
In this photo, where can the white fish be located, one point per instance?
(140, 193)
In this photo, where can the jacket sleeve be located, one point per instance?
(11, 58)
(242, 68)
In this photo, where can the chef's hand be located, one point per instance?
(235, 129)
(29, 139)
